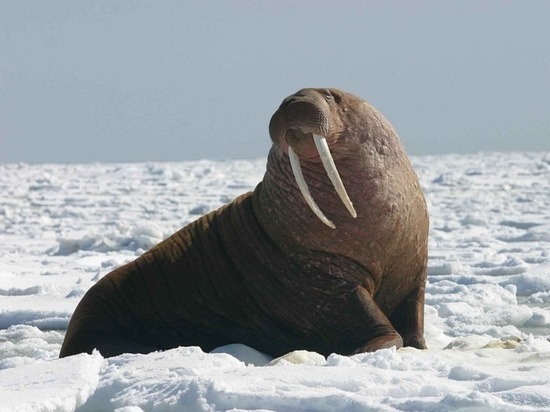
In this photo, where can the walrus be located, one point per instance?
(327, 254)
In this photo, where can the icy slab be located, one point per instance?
(59, 385)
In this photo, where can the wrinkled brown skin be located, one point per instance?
(264, 271)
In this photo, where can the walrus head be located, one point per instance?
(337, 159)
(304, 119)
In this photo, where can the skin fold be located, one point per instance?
(265, 270)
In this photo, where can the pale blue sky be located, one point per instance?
(174, 80)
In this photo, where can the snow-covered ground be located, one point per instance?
(62, 227)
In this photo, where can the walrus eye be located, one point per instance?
(327, 95)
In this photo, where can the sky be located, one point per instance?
(180, 80)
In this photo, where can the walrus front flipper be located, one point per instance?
(408, 319)
(363, 326)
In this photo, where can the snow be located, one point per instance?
(63, 227)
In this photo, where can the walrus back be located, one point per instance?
(154, 301)
(207, 285)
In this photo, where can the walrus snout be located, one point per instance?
(301, 117)
(306, 111)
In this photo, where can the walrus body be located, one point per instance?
(265, 271)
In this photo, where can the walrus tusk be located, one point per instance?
(297, 170)
(332, 172)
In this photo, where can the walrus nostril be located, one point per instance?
(288, 101)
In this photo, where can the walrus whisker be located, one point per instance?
(302, 185)
(332, 172)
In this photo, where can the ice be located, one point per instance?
(63, 227)
(60, 385)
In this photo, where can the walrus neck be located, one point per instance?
(372, 172)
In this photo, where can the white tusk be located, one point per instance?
(332, 172)
(297, 170)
